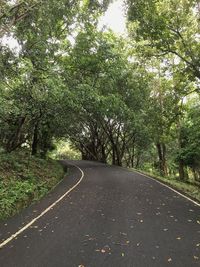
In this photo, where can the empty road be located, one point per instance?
(112, 218)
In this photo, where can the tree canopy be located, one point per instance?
(126, 100)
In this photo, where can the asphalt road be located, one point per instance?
(113, 218)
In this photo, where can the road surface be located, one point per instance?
(112, 218)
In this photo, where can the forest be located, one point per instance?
(129, 100)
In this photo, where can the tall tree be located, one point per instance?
(168, 27)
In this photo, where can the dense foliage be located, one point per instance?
(130, 101)
(25, 180)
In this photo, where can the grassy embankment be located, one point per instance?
(24, 180)
(188, 188)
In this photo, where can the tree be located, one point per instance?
(168, 27)
(189, 154)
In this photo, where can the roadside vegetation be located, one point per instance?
(25, 179)
(188, 188)
(65, 150)
(126, 100)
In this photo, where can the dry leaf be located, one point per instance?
(123, 233)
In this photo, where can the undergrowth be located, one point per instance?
(25, 179)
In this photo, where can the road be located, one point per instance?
(113, 218)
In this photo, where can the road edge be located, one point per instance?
(168, 186)
(13, 236)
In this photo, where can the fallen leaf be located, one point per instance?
(123, 233)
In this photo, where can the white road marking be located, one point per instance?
(172, 189)
(42, 213)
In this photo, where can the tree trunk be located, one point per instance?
(181, 170)
(34, 146)
(15, 139)
(103, 154)
(113, 155)
(138, 160)
(161, 148)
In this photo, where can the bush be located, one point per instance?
(25, 180)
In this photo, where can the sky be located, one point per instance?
(114, 19)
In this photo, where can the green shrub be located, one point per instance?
(25, 180)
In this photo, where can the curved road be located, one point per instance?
(113, 218)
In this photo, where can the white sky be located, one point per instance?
(114, 18)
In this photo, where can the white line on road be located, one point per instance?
(154, 179)
(42, 213)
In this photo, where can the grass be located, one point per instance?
(188, 189)
(24, 180)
